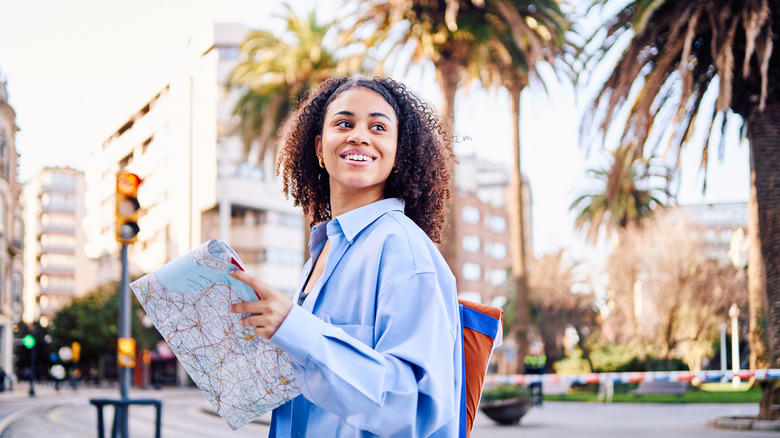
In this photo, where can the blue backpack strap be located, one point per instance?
(475, 320)
(462, 431)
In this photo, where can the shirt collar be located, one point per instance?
(353, 222)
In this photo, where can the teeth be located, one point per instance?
(356, 157)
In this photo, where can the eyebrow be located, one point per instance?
(351, 114)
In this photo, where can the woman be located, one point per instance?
(374, 335)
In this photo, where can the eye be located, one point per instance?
(344, 124)
(379, 127)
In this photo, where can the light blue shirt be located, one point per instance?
(377, 346)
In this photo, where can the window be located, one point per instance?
(228, 53)
(496, 277)
(475, 297)
(471, 243)
(495, 223)
(472, 271)
(283, 257)
(289, 220)
(498, 301)
(470, 214)
(497, 250)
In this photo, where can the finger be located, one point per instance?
(262, 289)
(246, 307)
(254, 321)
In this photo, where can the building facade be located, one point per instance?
(483, 229)
(11, 228)
(720, 228)
(55, 267)
(196, 181)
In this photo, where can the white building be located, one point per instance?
(55, 268)
(11, 229)
(195, 183)
(718, 227)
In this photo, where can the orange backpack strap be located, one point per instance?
(481, 334)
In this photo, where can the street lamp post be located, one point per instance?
(734, 314)
(723, 363)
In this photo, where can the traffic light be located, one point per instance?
(76, 348)
(28, 341)
(127, 207)
(126, 352)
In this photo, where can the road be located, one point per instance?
(187, 414)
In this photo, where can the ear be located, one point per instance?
(318, 145)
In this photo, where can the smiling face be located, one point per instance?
(358, 145)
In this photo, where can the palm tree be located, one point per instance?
(274, 73)
(677, 52)
(627, 192)
(496, 42)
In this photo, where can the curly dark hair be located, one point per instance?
(423, 161)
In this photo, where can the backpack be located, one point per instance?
(481, 334)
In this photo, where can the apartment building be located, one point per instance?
(721, 228)
(196, 181)
(55, 267)
(483, 229)
(11, 228)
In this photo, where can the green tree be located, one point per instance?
(495, 42)
(625, 192)
(92, 321)
(677, 52)
(275, 72)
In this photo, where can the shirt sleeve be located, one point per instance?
(405, 386)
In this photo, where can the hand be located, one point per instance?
(268, 313)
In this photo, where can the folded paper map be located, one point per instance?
(188, 300)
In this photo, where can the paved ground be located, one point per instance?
(186, 414)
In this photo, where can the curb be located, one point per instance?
(744, 423)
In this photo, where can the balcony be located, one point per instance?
(57, 250)
(59, 188)
(57, 229)
(65, 271)
(58, 208)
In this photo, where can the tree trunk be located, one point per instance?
(517, 230)
(756, 285)
(764, 136)
(447, 76)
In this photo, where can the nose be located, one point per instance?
(357, 137)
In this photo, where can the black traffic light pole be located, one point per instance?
(124, 321)
(32, 371)
(126, 233)
(124, 332)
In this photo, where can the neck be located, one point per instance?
(344, 201)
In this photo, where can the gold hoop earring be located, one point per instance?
(319, 160)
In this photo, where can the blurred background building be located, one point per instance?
(483, 231)
(197, 184)
(11, 229)
(55, 267)
(719, 227)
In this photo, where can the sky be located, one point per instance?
(75, 70)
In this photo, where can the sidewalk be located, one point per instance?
(551, 420)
